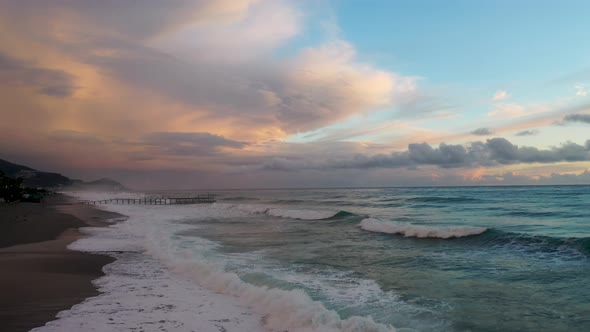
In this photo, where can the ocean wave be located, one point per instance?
(533, 214)
(439, 199)
(284, 310)
(238, 198)
(301, 214)
(567, 246)
(290, 201)
(284, 212)
(563, 247)
(411, 230)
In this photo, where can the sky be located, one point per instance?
(208, 94)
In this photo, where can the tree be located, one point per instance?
(10, 189)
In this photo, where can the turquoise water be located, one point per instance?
(472, 259)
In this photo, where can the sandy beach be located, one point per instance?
(40, 276)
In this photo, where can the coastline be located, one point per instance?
(156, 286)
(40, 275)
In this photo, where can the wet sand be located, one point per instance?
(39, 276)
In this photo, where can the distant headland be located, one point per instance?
(33, 178)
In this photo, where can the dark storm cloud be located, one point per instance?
(581, 118)
(495, 151)
(51, 82)
(531, 132)
(482, 132)
(187, 144)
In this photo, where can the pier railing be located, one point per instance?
(200, 199)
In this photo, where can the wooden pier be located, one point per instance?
(209, 198)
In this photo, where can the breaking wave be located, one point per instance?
(284, 213)
(283, 310)
(567, 247)
(301, 214)
(411, 230)
(286, 310)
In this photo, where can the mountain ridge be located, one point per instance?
(40, 179)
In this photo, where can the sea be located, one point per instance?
(514, 258)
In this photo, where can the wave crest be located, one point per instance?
(285, 310)
(301, 214)
(410, 230)
(282, 212)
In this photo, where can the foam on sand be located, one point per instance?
(139, 293)
(410, 230)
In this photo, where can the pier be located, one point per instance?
(200, 199)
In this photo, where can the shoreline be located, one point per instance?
(142, 292)
(40, 275)
(154, 286)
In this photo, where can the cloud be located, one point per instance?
(326, 84)
(581, 90)
(557, 178)
(215, 85)
(317, 87)
(50, 82)
(135, 74)
(515, 178)
(73, 136)
(138, 20)
(531, 132)
(581, 118)
(191, 138)
(500, 95)
(187, 143)
(492, 152)
(509, 111)
(482, 132)
(262, 26)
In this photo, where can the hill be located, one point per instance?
(103, 184)
(39, 179)
(32, 177)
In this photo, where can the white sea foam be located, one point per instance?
(343, 290)
(411, 230)
(85, 195)
(291, 310)
(139, 291)
(301, 214)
